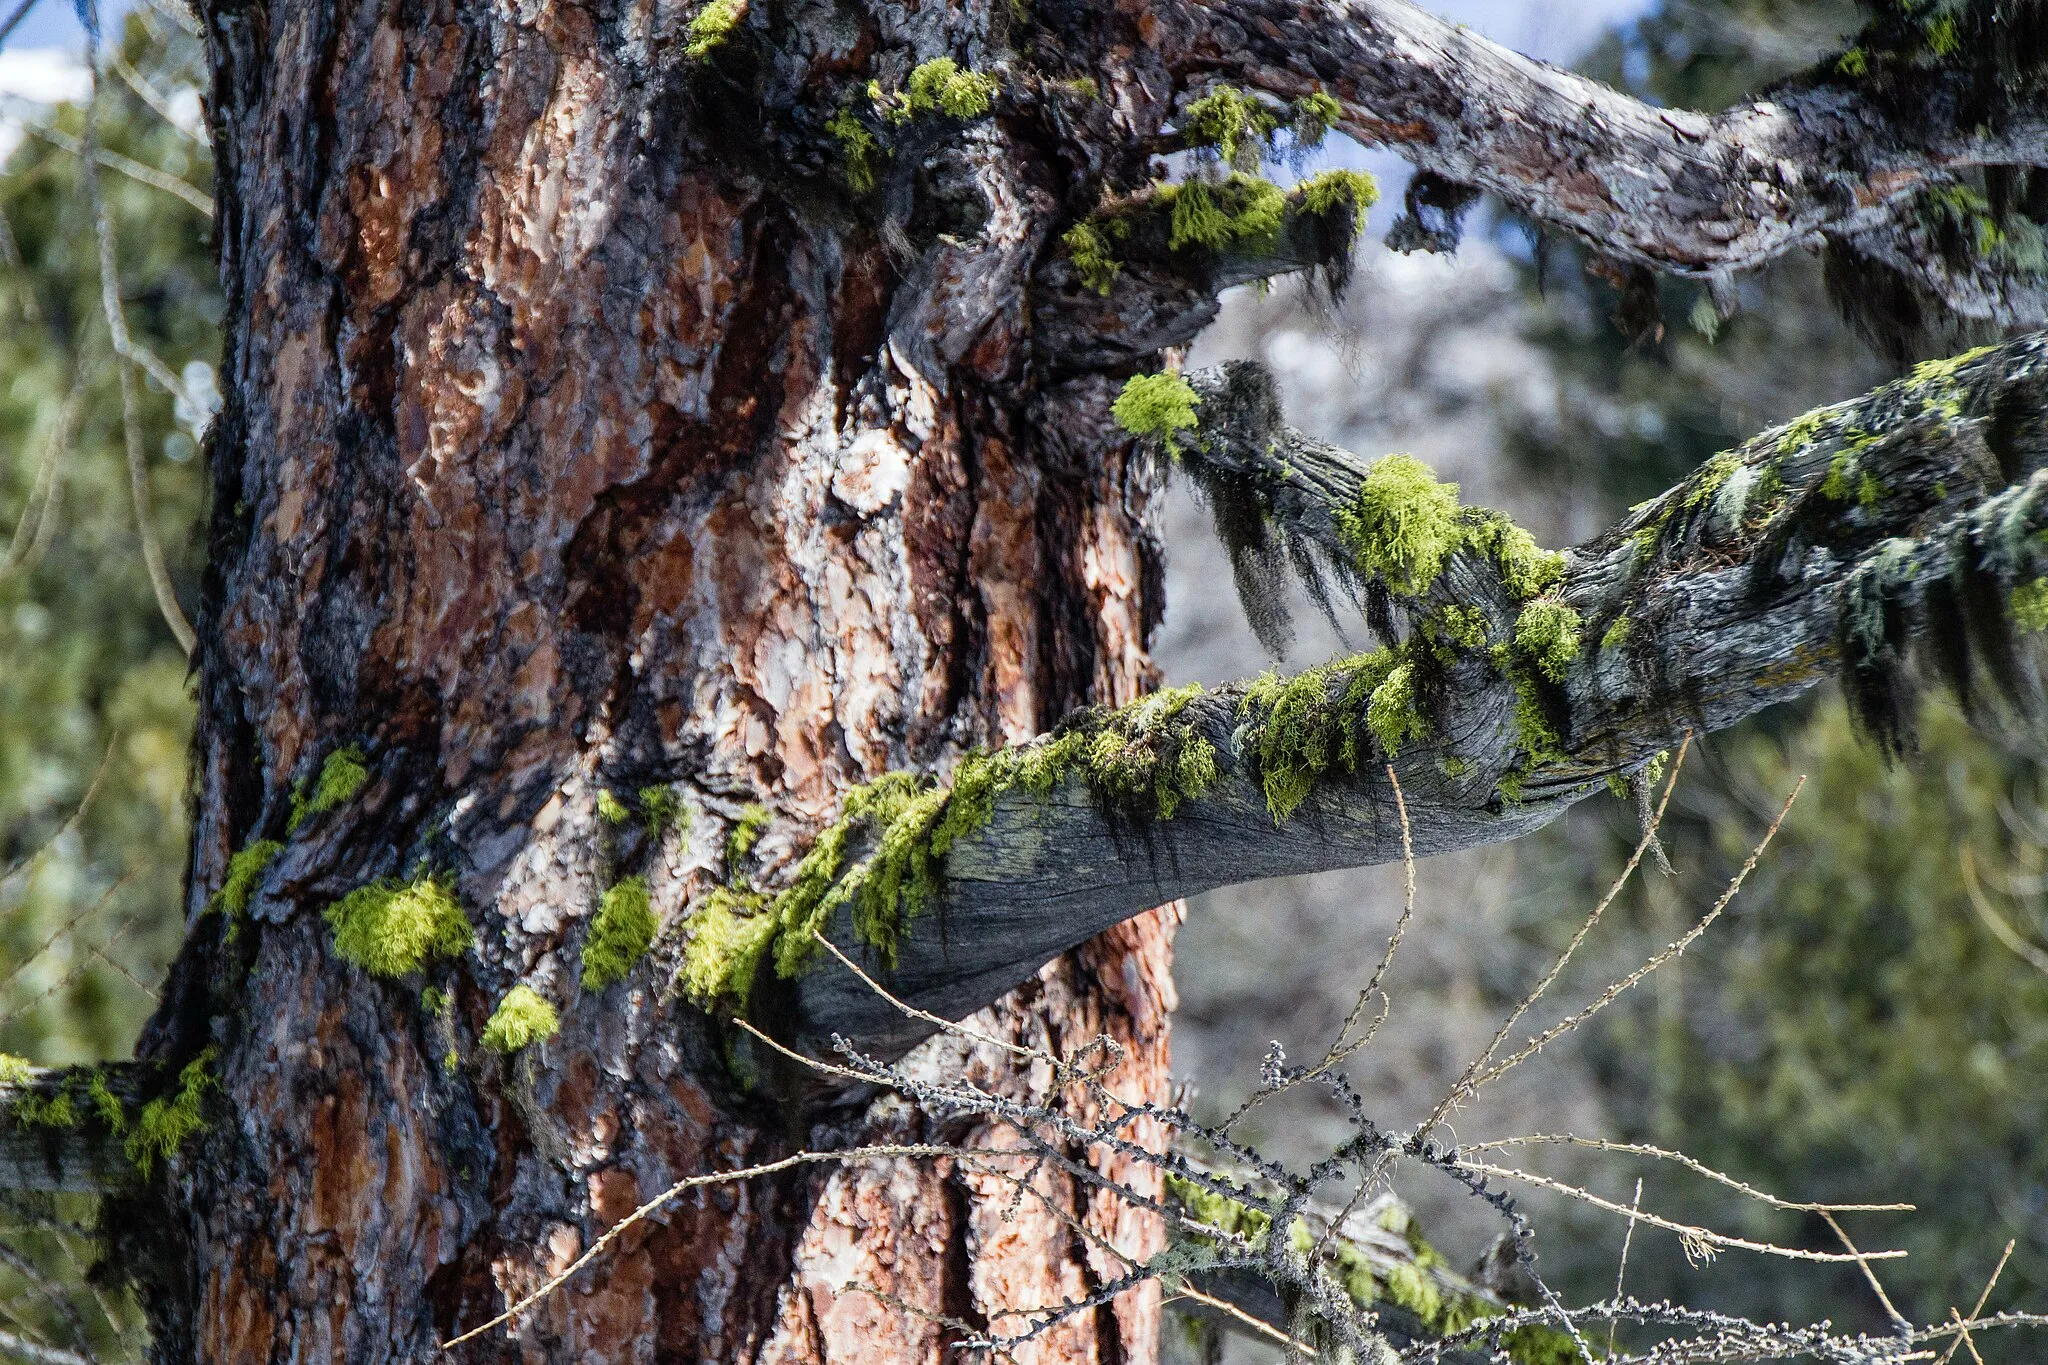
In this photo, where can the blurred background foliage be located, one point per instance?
(1855, 1029)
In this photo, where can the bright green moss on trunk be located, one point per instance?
(713, 25)
(167, 1121)
(620, 934)
(245, 869)
(940, 85)
(611, 810)
(522, 1018)
(392, 929)
(342, 778)
(753, 822)
(1547, 634)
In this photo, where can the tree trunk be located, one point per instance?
(585, 434)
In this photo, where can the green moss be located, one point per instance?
(392, 929)
(660, 810)
(1526, 569)
(1088, 247)
(54, 1110)
(1236, 1217)
(1835, 487)
(1801, 431)
(522, 1018)
(857, 146)
(167, 1121)
(611, 810)
(1942, 39)
(342, 778)
(1403, 524)
(104, 1102)
(1869, 491)
(1159, 405)
(1708, 478)
(1855, 62)
(245, 869)
(712, 26)
(1234, 123)
(1333, 189)
(15, 1070)
(620, 934)
(941, 85)
(730, 934)
(2029, 605)
(1617, 633)
(1242, 211)
(1393, 715)
(1313, 117)
(434, 1001)
(1547, 632)
(1305, 726)
(753, 822)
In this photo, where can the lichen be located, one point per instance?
(620, 934)
(1159, 405)
(611, 810)
(857, 145)
(1526, 569)
(522, 1018)
(245, 869)
(342, 778)
(2029, 605)
(168, 1120)
(1339, 188)
(1547, 633)
(392, 929)
(660, 809)
(1232, 122)
(1403, 524)
(1242, 211)
(1313, 117)
(941, 85)
(712, 26)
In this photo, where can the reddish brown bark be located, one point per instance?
(583, 431)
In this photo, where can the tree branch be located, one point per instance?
(1514, 683)
(53, 1140)
(1825, 155)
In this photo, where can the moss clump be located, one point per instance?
(857, 145)
(434, 1001)
(1526, 569)
(730, 935)
(54, 1110)
(1232, 122)
(1944, 371)
(245, 869)
(620, 934)
(165, 1122)
(1089, 248)
(611, 810)
(1403, 524)
(342, 778)
(1853, 63)
(1305, 726)
(941, 85)
(712, 26)
(1161, 405)
(1242, 211)
(1617, 632)
(522, 1018)
(392, 929)
(753, 822)
(1392, 715)
(1313, 117)
(2029, 605)
(1547, 633)
(660, 809)
(104, 1102)
(1340, 188)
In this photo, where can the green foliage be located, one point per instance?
(713, 25)
(1403, 525)
(245, 869)
(342, 778)
(941, 85)
(1161, 405)
(1547, 633)
(392, 929)
(168, 1120)
(522, 1018)
(620, 934)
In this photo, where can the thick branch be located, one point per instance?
(1739, 588)
(1823, 154)
(52, 1140)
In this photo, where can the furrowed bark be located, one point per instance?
(1734, 590)
(1821, 155)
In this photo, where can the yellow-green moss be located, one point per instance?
(1617, 633)
(167, 1121)
(1526, 569)
(660, 809)
(245, 869)
(746, 833)
(1403, 524)
(1305, 726)
(1547, 632)
(857, 145)
(522, 1018)
(1234, 123)
(1313, 117)
(1160, 405)
(1855, 62)
(611, 810)
(1089, 248)
(342, 778)
(941, 85)
(104, 1102)
(1241, 211)
(435, 1002)
(620, 934)
(2029, 605)
(1942, 39)
(713, 25)
(1330, 189)
(392, 929)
